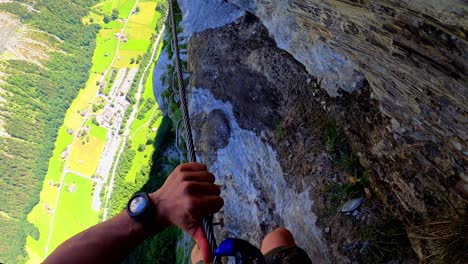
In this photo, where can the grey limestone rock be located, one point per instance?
(391, 73)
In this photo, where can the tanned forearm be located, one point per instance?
(188, 195)
(107, 242)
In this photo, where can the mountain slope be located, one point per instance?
(44, 63)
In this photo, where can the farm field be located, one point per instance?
(138, 32)
(106, 46)
(85, 154)
(85, 97)
(124, 7)
(73, 209)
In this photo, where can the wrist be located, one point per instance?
(136, 229)
(160, 214)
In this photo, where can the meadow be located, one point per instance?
(73, 209)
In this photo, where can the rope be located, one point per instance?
(207, 221)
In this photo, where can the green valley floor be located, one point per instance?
(115, 106)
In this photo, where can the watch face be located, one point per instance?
(137, 205)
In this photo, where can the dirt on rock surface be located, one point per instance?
(316, 152)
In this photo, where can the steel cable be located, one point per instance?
(207, 221)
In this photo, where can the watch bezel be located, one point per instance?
(134, 215)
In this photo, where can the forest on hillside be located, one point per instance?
(37, 97)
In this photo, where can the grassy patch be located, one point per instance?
(140, 29)
(446, 236)
(92, 18)
(124, 58)
(124, 7)
(97, 131)
(280, 132)
(141, 138)
(68, 221)
(106, 48)
(141, 26)
(73, 117)
(41, 217)
(135, 45)
(383, 242)
(56, 163)
(337, 145)
(146, 95)
(33, 257)
(74, 210)
(85, 154)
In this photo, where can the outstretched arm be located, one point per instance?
(188, 194)
(107, 242)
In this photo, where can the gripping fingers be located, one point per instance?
(194, 166)
(210, 204)
(202, 189)
(199, 176)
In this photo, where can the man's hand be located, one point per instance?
(188, 195)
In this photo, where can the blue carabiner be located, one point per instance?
(243, 251)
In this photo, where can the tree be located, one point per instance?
(132, 60)
(161, 7)
(141, 147)
(94, 121)
(137, 9)
(91, 20)
(106, 19)
(138, 59)
(115, 13)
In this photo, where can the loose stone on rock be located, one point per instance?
(351, 205)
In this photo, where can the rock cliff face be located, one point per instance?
(413, 54)
(391, 73)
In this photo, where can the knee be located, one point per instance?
(283, 233)
(280, 237)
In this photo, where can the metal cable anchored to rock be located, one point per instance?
(206, 221)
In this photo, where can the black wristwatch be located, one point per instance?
(140, 208)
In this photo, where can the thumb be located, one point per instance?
(202, 243)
